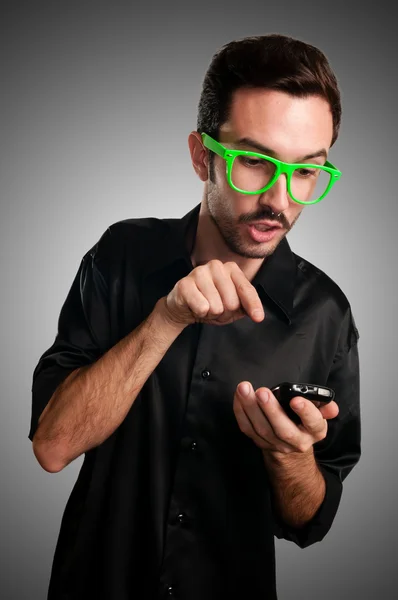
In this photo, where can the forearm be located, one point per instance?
(298, 486)
(94, 400)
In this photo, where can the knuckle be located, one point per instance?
(320, 435)
(199, 271)
(202, 312)
(261, 432)
(183, 285)
(303, 447)
(217, 310)
(232, 305)
(215, 263)
(241, 287)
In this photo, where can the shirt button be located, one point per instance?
(205, 374)
(181, 518)
(194, 446)
(170, 591)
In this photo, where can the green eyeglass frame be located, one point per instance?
(280, 167)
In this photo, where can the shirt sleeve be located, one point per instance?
(340, 451)
(83, 331)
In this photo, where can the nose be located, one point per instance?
(277, 197)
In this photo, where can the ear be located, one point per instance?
(199, 155)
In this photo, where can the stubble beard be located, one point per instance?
(229, 229)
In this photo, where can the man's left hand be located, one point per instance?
(262, 418)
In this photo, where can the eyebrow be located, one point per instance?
(249, 142)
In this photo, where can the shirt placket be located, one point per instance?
(195, 464)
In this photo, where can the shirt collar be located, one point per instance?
(276, 275)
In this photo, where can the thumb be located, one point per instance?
(330, 410)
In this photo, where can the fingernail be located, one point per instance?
(245, 389)
(263, 395)
(299, 404)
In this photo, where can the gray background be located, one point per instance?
(97, 101)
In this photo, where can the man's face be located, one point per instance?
(290, 128)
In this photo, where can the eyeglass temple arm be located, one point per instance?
(213, 145)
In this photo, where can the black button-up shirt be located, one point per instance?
(176, 503)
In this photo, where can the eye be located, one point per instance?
(307, 172)
(249, 161)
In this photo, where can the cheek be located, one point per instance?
(297, 209)
(220, 168)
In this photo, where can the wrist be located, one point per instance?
(289, 460)
(162, 319)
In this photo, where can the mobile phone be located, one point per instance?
(318, 394)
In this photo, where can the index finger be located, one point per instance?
(248, 295)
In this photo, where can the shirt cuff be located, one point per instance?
(316, 529)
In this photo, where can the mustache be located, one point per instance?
(267, 214)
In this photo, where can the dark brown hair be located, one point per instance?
(271, 61)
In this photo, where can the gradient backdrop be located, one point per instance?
(97, 101)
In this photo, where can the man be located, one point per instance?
(172, 335)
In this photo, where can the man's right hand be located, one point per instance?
(215, 293)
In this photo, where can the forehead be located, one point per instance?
(288, 124)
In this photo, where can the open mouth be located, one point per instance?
(261, 227)
(261, 232)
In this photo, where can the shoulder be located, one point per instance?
(320, 283)
(328, 296)
(128, 236)
(135, 231)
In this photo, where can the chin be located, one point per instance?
(268, 248)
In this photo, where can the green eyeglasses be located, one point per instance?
(253, 173)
